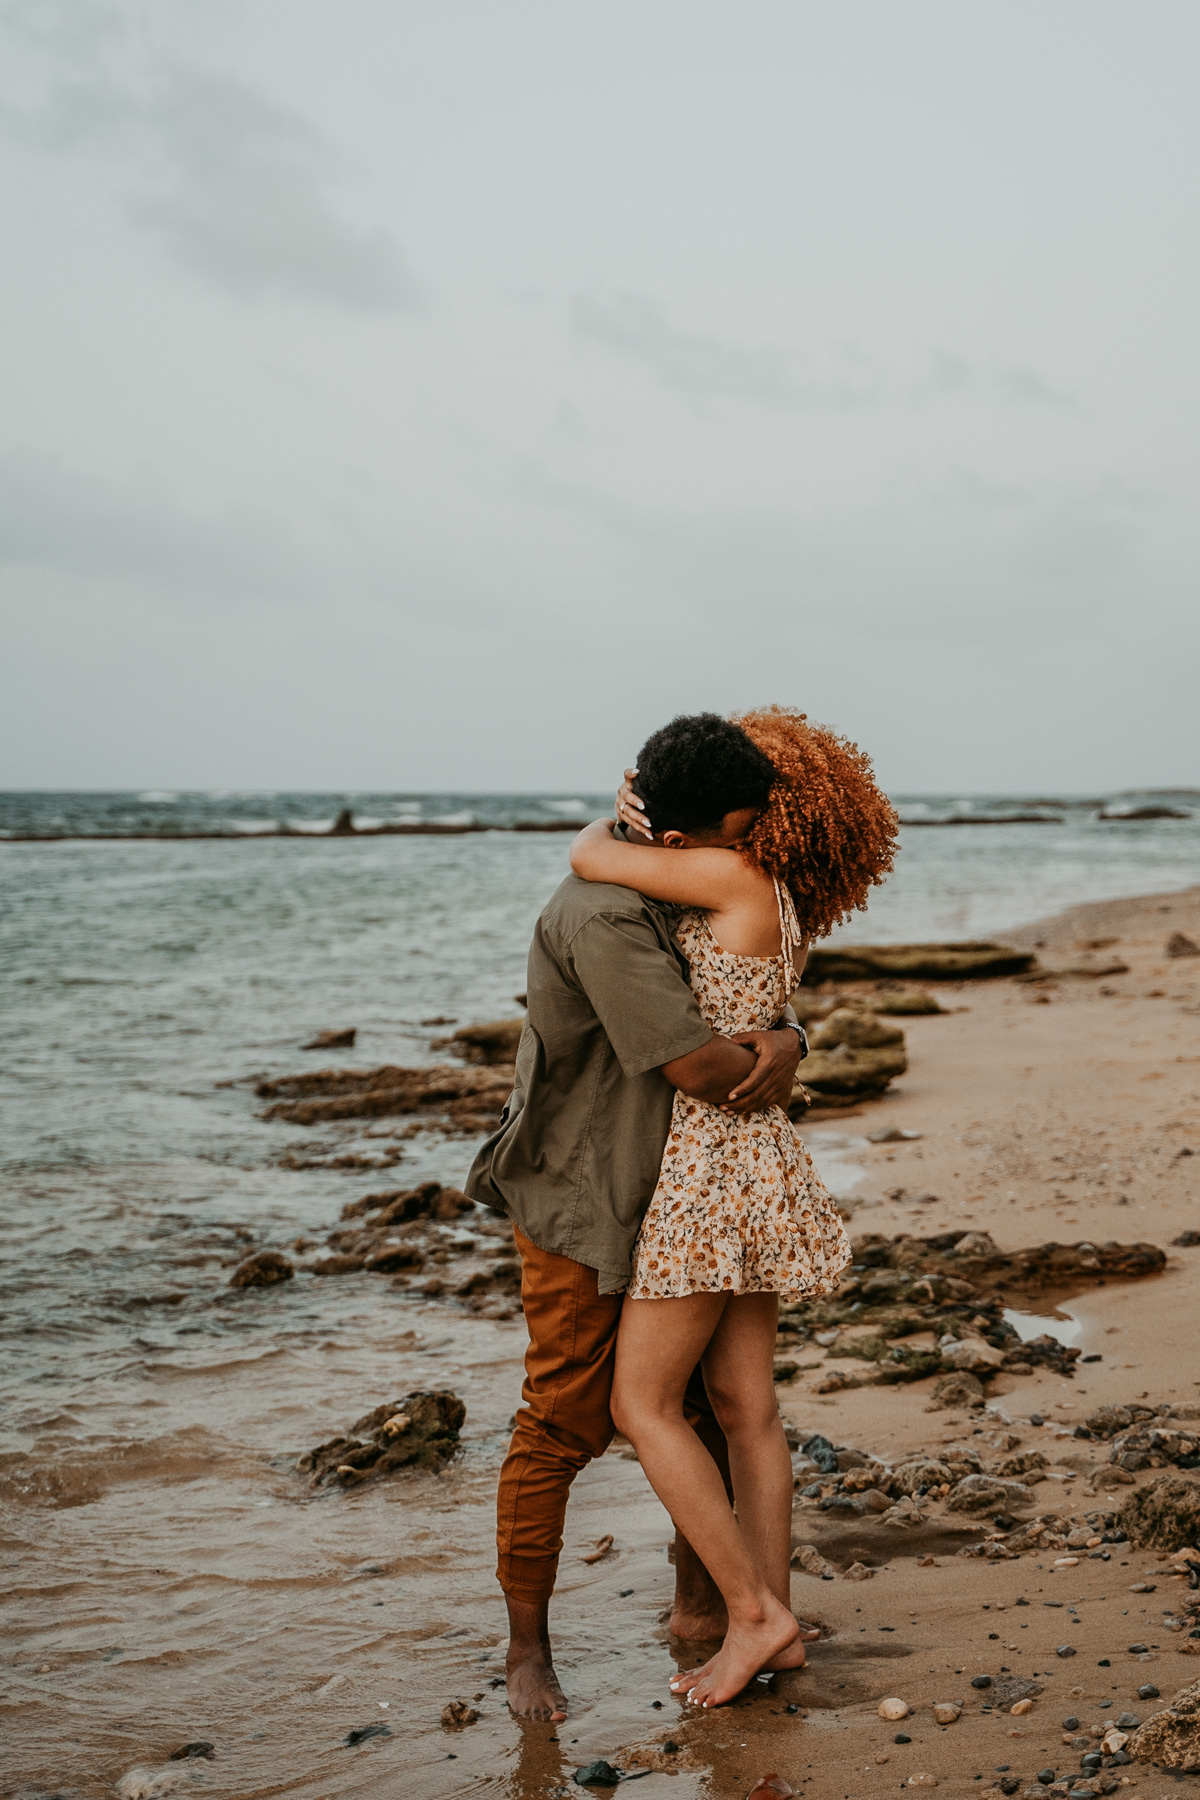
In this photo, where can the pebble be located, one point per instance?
(185, 1752)
(1138, 1650)
(1149, 1692)
(1065, 1650)
(923, 1780)
(902, 1737)
(946, 1713)
(363, 1732)
(981, 1681)
(602, 1774)
(1021, 1706)
(893, 1709)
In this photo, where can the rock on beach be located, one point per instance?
(1171, 1738)
(420, 1430)
(263, 1269)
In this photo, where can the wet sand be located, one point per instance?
(188, 1586)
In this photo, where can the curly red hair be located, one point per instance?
(827, 832)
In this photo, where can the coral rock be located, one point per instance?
(262, 1269)
(1164, 1515)
(1171, 1738)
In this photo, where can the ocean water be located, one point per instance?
(150, 1416)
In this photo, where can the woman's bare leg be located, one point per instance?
(658, 1345)
(738, 1373)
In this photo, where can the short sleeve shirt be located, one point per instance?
(581, 1140)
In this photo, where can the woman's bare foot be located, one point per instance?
(751, 1645)
(532, 1685)
(792, 1657)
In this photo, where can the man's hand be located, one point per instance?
(777, 1057)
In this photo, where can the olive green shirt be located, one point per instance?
(580, 1143)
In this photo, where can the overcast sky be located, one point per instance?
(443, 395)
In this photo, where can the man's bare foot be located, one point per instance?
(792, 1657)
(750, 1645)
(533, 1690)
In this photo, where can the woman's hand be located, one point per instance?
(630, 810)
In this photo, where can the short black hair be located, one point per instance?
(697, 769)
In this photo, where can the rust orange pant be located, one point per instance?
(564, 1420)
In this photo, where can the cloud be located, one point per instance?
(950, 375)
(237, 188)
(53, 518)
(706, 367)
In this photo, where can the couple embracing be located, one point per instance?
(661, 1200)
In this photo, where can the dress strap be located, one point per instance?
(790, 936)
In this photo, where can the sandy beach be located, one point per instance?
(196, 1591)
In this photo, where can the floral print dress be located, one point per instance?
(739, 1207)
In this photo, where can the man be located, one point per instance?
(613, 1029)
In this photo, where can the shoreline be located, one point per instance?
(1067, 1108)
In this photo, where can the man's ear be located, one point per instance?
(674, 840)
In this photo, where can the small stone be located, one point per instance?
(185, 1752)
(597, 1774)
(1046, 1777)
(857, 1572)
(981, 1681)
(1142, 1587)
(1065, 1650)
(1128, 1721)
(1149, 1692)
(923, 1780)
(771, 1787)
(456, 1713)
(1139, 1650)
(363, 1732)
(1021, 1707)
(893, 1709)
(945, 1712)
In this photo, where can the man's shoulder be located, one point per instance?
(575, 902)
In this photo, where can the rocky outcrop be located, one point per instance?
(1124, 815)
(853, 1053)
(916, 962)
(458, 1100)
(488, 1044)
(1171, 1738)
(1165, 1515)
(333, 1040)
(419, 1431)
(956, 1286)
(886, 997)
(1178, 945)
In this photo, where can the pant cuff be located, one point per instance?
(527, 1578)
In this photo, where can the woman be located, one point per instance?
(740, 1216)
